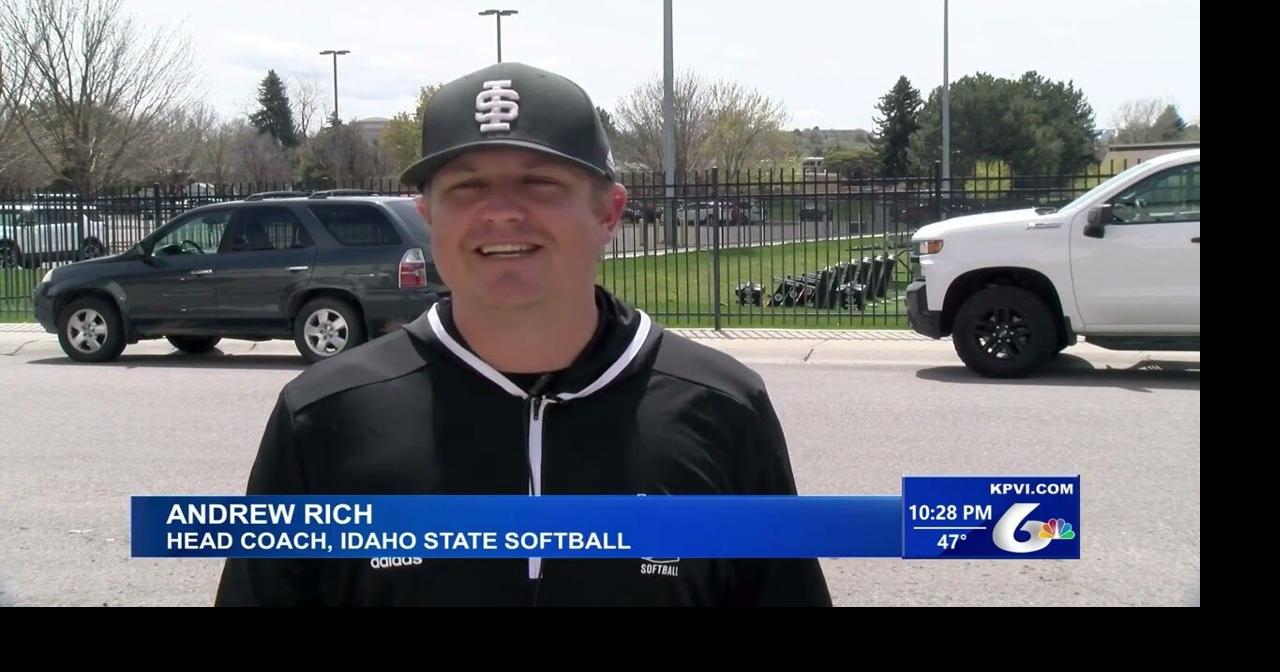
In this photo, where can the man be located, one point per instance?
(528, 380)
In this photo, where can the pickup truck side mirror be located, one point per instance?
(1099, 218)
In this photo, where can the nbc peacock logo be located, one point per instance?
(1057, 528)
(1039, 533)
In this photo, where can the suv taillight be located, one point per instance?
(413, 270)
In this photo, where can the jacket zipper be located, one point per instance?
(537, 404)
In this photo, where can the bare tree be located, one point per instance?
(19, 167)
(1136, 120)
(98, 88)
(721, 123)
(341, 155)
(257, 157)
(743, 125)
(184, 137)
(639, 121)
(382, 160)
(15, 151)
(217, 163)
(305, 93)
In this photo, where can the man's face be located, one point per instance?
(514, 229)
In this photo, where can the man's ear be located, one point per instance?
(420, 202)
(611, 214)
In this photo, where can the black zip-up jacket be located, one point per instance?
(416, 412)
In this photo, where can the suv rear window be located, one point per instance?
(411, 218)
(356, 225)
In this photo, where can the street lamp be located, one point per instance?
(335, 54)
(668, 123)
(499, 13)
(946, 94)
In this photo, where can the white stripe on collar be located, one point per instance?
(469, 357)
(642, 333)
(483, 368)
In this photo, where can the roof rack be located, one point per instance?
(328, 193)
(264, 195)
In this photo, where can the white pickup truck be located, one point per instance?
(37, 234)
(1119, 266)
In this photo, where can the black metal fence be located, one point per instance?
(795, 249)
(758, 249)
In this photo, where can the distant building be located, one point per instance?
(372, 128)
(1125, 155)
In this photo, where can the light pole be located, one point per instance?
(946, 97)
(335, 54)
(668, 124)
(499, 13)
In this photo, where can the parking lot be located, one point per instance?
(859, 411)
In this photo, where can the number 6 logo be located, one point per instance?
(1008, 524)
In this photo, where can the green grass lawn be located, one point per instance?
(677, 289)
(15, 293)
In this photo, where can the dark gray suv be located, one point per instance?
(327, 271)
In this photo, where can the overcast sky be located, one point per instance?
(827, 61)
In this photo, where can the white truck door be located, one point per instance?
(1143, 274)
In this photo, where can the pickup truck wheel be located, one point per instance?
(1004, 332)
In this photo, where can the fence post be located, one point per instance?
(155, 203)
(937, 190)
(82, 231)
(671, 228)
(718, 209)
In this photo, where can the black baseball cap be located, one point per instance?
(511, 105)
